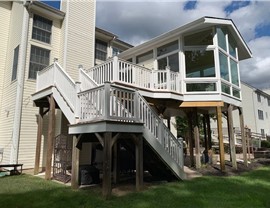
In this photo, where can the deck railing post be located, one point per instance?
(168, 73)
(136, 106)
(107, 98)
(115, 69)
(78, 103)
(55, 61)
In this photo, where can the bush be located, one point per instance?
(265, 144)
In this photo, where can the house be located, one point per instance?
(123, 101)
(33, 34)
(256, 108)
(91, 105)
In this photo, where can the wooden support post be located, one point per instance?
(139, 163)
(197, 139)
(248, 139)
(116, 170)
(39, 137)
(51, 135)
(243, 135)
(205, 133)
(75, 163)
(208, 131)
(107, 163)
(190, 141)
(231, 137)
(220, 136)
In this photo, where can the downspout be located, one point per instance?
(66, 36)
(20, 87)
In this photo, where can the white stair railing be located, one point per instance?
(117, 70)
(112, 102)
(55, 75)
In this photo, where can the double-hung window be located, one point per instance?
(260, 114)
(39, 59)
(101, 50)
(42, 29)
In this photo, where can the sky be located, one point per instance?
(136, 21)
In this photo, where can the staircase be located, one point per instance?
(94, 98)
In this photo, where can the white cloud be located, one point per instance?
(136, 21)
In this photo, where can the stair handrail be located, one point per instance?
(55, 75)
(154, 124)
(86, 81)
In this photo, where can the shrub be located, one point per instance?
(265, 144)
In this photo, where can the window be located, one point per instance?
(200, 63)
(259, 97)
(42, 29)
(201, 87)
(200, 38)
(171, 61)
(262, 132)
(260, 114)
(144, 57)
(39, 59)
(223, 64)
(221, 33)
(268, 101)
(101, 50)
(167, 48)
(232, 46)
(116, 51)
(234, 72)
(236, 93)
(225, 88)
(15, 63)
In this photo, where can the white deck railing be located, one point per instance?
(117, 70)
(54, 75)
(111, 102)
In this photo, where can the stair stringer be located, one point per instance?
(163, 154)
(65, 108)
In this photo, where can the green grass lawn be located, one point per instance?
(248, 190)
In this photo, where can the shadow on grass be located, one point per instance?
(248, 190)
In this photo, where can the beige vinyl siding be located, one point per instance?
(9, 88)
(80, 37)
(29, 112)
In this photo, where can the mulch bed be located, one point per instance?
(214, 170)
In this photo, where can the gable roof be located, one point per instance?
(204, 22)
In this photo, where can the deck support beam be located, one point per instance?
(107, 163)
(208, 131)
(197, 139)
(139, 162)
(116, 170)
(39, 138)
(51, 135)
(190, 139)
(243, 135)
(75, 163)
(231, 137)
(220, 138)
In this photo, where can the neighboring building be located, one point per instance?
(32, 36)
(256, 108)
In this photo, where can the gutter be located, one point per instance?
(20, 87)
